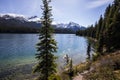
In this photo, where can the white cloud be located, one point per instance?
(97, 3)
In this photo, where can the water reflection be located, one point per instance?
(20, 48)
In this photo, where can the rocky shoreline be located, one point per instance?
(21, 72)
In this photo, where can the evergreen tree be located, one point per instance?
(99, 27)
(95, 28)
(116, 29)
(70, 69)
(88, 50)
(107, 11)
(46, 46)
(69, 65)
(100, 42)
(113, 27)
(107, 29)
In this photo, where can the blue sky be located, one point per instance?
(84, 12)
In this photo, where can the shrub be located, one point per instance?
(105, 68)
(54, 77)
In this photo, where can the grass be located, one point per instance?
(82, 67)
(106, 67)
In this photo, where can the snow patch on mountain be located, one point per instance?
(12, 15)
(71, 25)
(61, 25)
(34, 20)
(19, 17)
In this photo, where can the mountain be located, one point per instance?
(17, 21)
(13, 23)
(71, 26)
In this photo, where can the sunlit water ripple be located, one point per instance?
(17, 49)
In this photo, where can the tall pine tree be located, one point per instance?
(99, 27)
(113, 27)
(46, 46)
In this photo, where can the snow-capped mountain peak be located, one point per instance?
(12, 15)
(71, 25)
(9, 16)
(61, 25)
(34, 19)
(21, 18)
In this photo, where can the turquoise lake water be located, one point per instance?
(18, 49)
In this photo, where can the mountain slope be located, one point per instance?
(19, 23)
(71, 26)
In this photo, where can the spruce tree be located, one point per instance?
(100, 42)
(70, 69)
(88, 50)
(46, 46)
(113, 27)
(107, 11)
(99, 27)
(108, 20)
(95, 27)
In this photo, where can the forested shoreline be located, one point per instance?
(102, 59)
(106, 30)
(105, 62)
(27, 30)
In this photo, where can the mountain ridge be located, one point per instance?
(7, 20)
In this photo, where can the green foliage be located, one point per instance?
(54, 77)
(46, 46)
(20, 29)
(107, 30)
(102, 73)
(95, 56)
(88, 50)
(82, 67)
(105, 68)
(90, 32)
(64, 76)
(99, 27)
(68, 67)
(100, 44)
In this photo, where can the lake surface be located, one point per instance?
(18, 49)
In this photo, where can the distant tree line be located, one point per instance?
(65, 31)
(106, 30)
(14, 29)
